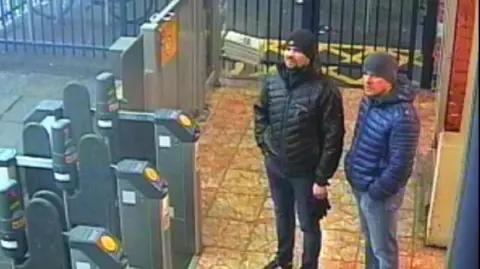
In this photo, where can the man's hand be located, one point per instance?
(319, 192)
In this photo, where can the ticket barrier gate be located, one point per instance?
(48, 246)
(166, 138)
(94, 202)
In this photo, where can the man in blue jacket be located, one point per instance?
(380, 160)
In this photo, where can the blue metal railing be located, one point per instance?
(85, 27)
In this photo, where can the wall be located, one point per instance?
(455, 102)
(461, 54)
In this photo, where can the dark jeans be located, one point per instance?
(379, 226)
(286, 194)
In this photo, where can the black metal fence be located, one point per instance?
(348, 30)
(70, 26)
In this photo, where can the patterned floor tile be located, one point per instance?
(331, 264)
(256, 260)
(225, 233)
(409, 200)
(405, 244)
(351, 102)
(248, 140)
(215, 157)
(217, 258)
(243, 182)
(405, 223)
(208, 197)
(340, 246)
(264, 238)
(405, 263)
(342, 217)
(427, 257)
(241, 216)
(211, 178)
(267, 213)
(215, 136)
(248, 159)
(340, 190)
(242, 207)
(349, 130)
(223, 139)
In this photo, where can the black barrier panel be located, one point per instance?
(96, 202)
(137, 137)
(46, 242)
(76, 105)
(56, 201)
(36, 143)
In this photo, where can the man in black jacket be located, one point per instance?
(299, 126)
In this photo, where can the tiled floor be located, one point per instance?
(238, 217)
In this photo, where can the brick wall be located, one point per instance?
(465, 20)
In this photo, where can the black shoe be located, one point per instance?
(275, 265)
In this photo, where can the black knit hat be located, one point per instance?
(381, 64)
(305, 41)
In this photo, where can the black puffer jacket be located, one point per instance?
(299, 123)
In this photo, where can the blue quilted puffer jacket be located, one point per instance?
(385, 141)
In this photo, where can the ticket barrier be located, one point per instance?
(94, 201)
(166, 138)
(89, 201)
(48, 246)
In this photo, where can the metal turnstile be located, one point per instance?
(176, 134)
(145, 216)
(95, 248)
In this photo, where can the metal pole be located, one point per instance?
(367, 16)
(463, 251)
(311, 16)
(428, 44)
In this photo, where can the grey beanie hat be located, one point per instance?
(381, 64)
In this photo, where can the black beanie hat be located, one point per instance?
(305, 41)
(381, 64)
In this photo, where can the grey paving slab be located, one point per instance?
(43, 85)
(21, 108)
(11, 82)
(7, 101)
(10, 135)
(20, 92)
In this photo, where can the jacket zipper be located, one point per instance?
(355, 143)
(284, 117)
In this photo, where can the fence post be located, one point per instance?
(311, 16)
(123, 18)
(429, 37)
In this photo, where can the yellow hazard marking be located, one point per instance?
(348, 54)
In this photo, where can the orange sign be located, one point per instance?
(168, 37)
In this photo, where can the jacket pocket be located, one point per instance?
(267, 142)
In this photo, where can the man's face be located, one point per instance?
(375, 86)
(293, 58)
